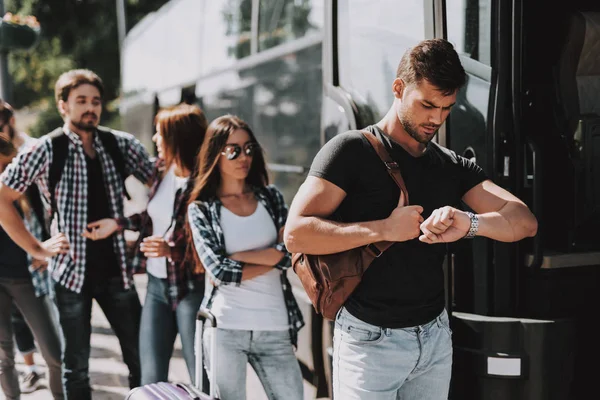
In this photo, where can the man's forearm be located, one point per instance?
(314, 235)
(14, 226)
(510, 224)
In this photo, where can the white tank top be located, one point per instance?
(160, 210)
(258, 303)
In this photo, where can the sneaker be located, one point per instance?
(30, 383)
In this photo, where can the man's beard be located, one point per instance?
(413, 130)
(86, 126)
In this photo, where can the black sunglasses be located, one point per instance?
(233, 151)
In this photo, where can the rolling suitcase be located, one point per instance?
(179, 391)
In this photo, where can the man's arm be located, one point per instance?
(309, 231)
(137, 159)
(502, 216)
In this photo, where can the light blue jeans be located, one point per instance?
(271, 355)
(159, 328)
(374, 363)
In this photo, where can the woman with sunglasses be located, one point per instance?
(237, 220)
(175, 287)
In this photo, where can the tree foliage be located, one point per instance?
(74, 34)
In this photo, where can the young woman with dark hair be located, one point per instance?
(17, 288)
(175, 286)
(237, 220)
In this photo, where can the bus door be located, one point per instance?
(522, 311)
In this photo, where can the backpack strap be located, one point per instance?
(35, 202)
(60, 150)
(109, 141)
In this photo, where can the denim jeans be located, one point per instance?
(121, 307)
(38, 313)
(159, 328)
(374, 363)
(271, 355)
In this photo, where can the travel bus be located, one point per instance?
(302, 71)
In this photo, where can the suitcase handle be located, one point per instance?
(202, 316)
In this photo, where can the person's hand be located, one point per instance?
(155, 246)
(100, 229)
(445, 225)
(39, 265)
(57, 244)
(403, 224)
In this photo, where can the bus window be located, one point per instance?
(281, 21)
(227, 33)
(371, 41)
(469, 28)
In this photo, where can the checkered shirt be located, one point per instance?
(33, 167)
(180, 268)
(205, 222)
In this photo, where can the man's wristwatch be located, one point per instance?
(474, 226)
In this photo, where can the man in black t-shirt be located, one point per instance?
(392, 338)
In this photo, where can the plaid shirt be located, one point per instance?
(180, 268)
(205, 221)
(33, 166)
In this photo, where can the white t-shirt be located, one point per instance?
(258, 303)
(160, 210)
(28, 142)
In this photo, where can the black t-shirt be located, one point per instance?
(101, 259)
(405, 285)
(13, 259)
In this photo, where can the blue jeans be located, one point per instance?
(122, 309)
(271, 355)
(374, 363)
(159, 328)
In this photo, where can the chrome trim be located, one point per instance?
(294, 169)
(254, 26)
(566, 260)
(476, 68)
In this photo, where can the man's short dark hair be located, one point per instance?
(74, 78)
(436, 61)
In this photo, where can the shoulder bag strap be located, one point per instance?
(393, 169)
(391, 166)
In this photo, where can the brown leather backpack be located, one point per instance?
(329, 279)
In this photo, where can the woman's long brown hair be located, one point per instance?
(182, 128)
(209, 176)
